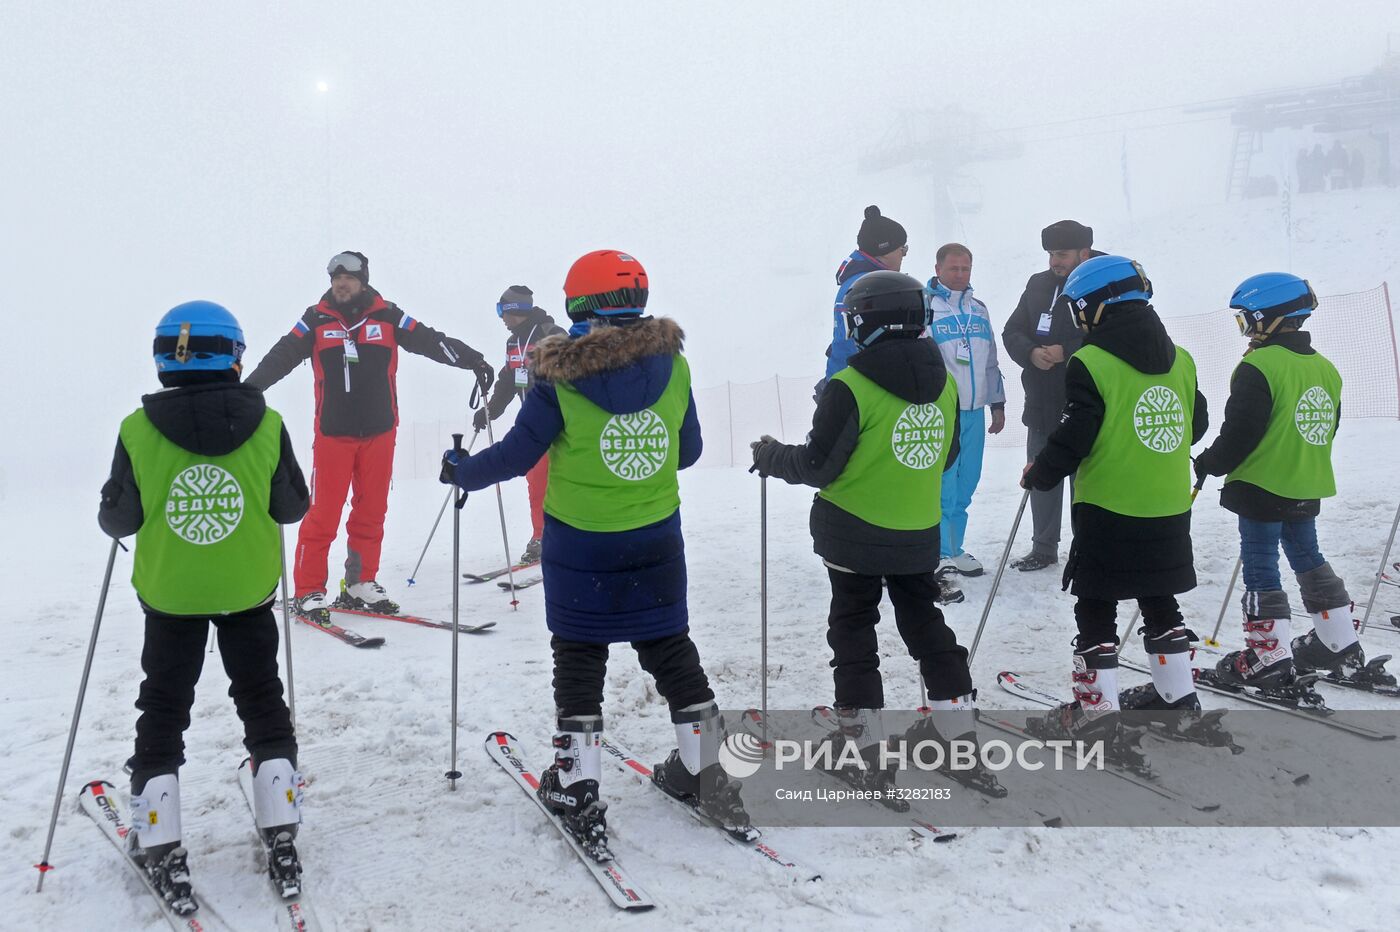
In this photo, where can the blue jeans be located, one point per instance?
(961, 481)
(1259, 545)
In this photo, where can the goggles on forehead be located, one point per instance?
(345, 262)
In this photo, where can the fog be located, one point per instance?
(158, 152)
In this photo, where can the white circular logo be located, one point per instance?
(740, 755)
(634, 446)
(1159, 419)
(205, 504)
(918, 436)
(1315, 416)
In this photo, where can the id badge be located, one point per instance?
(1043, 328)
(352, 352)
(964, 353)
(522, 377)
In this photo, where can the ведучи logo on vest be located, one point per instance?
(634, 446)
(918, 436)
(1159, 419)
(205, 504)
(1315, 416)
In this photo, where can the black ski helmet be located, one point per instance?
(885, 303)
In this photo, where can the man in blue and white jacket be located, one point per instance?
(963, 330)
(881, 244)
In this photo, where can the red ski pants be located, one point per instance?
(538, 480)
(337, 465)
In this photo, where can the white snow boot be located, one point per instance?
(155, 840)
(277, 792)
(692, 773)
(367, 596)
(569, 786)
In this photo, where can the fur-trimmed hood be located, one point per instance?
(622, 369)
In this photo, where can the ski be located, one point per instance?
(1014, 684)
(413, 620)
(337, 632)
(1374, 666)
(753, 725)
(1319, 714)
(624, 759)
(504, 749)
(105, 805)
(522, 584)
(487, 577)
(294, 912)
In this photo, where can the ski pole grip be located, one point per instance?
(456, 443)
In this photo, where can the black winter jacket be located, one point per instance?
(1117, 556)
(519, 347)
(211, 419)
(1045, 388)
(914, 371)
(1247, 413)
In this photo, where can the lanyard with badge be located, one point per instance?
(1047, 317)
(522, 374)
(352, 350)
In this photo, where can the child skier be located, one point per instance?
(203, 474)
(1132, 412)
(884, 432)
(614, 411)
(1275, 451)
(527, 325)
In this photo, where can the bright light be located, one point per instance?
(322, 86)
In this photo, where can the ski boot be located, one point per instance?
(277, 791)
(948, 593)
(569, 786)
(532, 552)
(366, 596)
(1169, 705)
(1033, 561)
(155, 840)
(1093, 714)
(692, 772)
(863, 731)
(1264, 669)
(314, 606)
(1332, 650)
(957, 717)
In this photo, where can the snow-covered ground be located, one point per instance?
(387, 846)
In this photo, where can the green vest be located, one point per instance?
(207, 545)
(617, 472)
(1140, 464)
(1294, 460)
(894, 478)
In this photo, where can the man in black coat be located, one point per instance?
(1041, 335)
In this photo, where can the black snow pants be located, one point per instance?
(580, 668)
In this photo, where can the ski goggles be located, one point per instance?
(522, 307)
(1249, 320)
(345, 262)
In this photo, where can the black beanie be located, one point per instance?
(879, 235)
(1066, 234)
(517, 298)
(336, 266)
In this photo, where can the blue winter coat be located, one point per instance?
(843, 347)
(600, 587)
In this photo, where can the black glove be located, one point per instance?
(759, 447)
(1201, 465)
(450, 460)
(479, 419)
(485, 375)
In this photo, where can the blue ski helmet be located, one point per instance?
(198, 335)
(1101, 281)
(1261, 301)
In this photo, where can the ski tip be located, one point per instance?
(1006, 676)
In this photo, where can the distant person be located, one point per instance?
(527, 325)
(1338, 165)
(962, 328)
(1357, 172)
(352, 337)
(1040, 335)
(881, 243)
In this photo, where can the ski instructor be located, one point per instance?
(352, 337)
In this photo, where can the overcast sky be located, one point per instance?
(159, 152)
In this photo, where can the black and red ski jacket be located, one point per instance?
(355, 360)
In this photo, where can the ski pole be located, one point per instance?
(505, 541)
(44, 866)
(1220, 619)
(287, 630)
(1385, 555)
(413, 577)
(763, 597)
(996, 581)
(454, 774)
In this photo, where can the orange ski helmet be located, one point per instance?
(605, 283)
